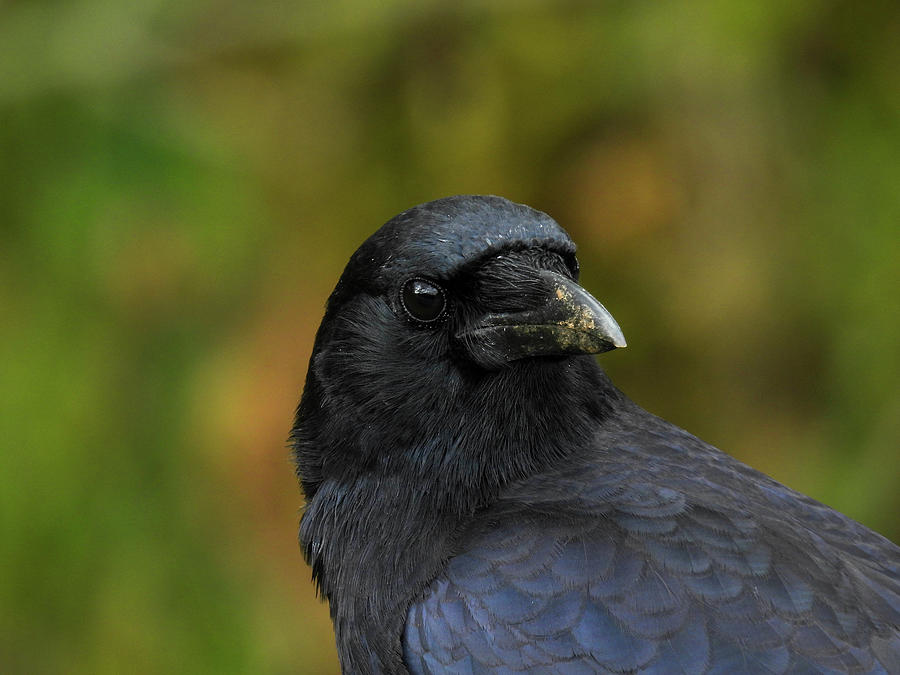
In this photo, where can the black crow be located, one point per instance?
(480, 498)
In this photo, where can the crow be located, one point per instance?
(480, 498)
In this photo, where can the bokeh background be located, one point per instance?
(181, 184)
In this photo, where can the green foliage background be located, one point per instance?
(181, 184)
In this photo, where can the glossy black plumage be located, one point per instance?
(472, 507)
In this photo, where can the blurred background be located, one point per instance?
(182, 183)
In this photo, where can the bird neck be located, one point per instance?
(373, 546)
(383, 513)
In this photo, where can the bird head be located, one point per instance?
(452, 308)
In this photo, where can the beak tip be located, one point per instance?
(616, 337)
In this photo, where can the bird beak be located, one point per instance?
(569, 321)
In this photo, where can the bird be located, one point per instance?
(480, 497)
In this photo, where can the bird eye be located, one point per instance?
(422, 300)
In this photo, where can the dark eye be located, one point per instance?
(422, 300)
